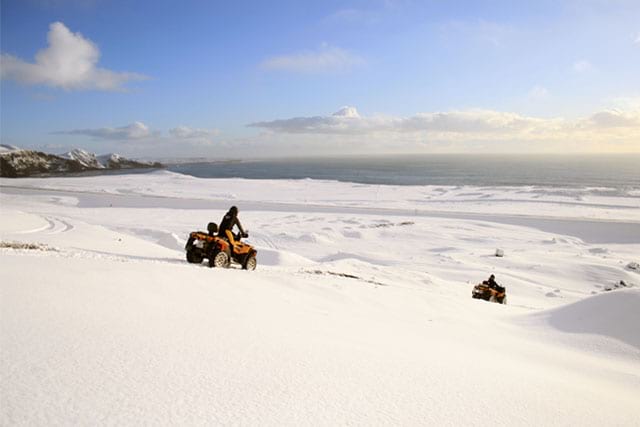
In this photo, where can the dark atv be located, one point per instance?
(485, 291)
(220, 251)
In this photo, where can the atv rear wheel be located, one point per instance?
(250, 263)
(194, 258)
(219, 260)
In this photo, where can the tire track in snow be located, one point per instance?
(35, 230)
(96, 255)
(57, 225)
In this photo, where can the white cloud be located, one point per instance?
(465, 126)
(348, 121)
(613, 119)
(69, 62)
(184, 132)
(582, 66)
(134, 131)
(474, 122)
(138, 131)
(325, 59)
(347, 112)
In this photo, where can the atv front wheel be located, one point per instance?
(250, 263)
(219, 260)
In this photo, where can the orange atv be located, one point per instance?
(220, 251)
(488, 293)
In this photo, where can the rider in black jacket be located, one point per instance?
(229, 221)
(492, 282)
(494, 285)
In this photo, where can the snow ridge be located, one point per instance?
(84, 157)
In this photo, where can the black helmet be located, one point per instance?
(233, 210)
(492, 277)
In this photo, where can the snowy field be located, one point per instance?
(360, 311)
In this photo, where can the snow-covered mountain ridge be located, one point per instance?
(83, 157)
(18, 163)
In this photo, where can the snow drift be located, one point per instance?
(614, 314)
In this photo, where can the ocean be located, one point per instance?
(621, 172)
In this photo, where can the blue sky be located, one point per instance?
(230, 79)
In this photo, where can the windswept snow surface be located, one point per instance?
(359, 312)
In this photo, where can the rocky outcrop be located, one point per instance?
(18, 163)
(116, 161)
(22, 163)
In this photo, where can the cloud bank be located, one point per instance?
(326, 59)
(184, 132)
(348, 132)
(138, 131)
(608, 126)
(348, 121)
(68, 62)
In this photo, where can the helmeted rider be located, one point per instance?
(492, 282)
(229, 221)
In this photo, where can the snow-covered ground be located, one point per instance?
(359, 311)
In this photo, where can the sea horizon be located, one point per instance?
(555, 170)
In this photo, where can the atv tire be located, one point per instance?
(194, 258)
(219, 259)
(250, 263)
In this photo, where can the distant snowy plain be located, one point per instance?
(359, 313)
